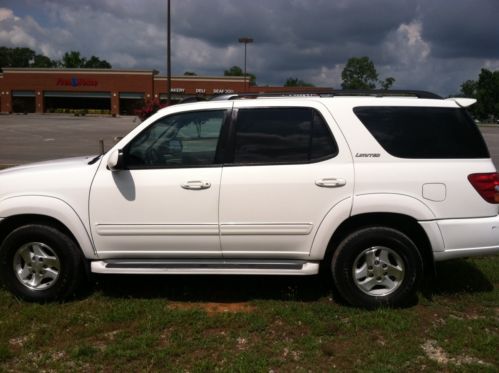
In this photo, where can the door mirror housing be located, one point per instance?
(115, 160)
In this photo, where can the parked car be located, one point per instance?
(373, 188)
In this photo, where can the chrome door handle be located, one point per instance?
(330, 182)
(196, 185)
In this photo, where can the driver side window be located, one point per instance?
(179, 140)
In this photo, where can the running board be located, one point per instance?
(205, 267)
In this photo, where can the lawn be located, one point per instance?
(259, 324)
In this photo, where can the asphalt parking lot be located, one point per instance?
(39, 137)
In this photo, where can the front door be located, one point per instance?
(164, 203)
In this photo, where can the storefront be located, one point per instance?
(106, 91)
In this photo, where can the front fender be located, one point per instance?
(54, 208)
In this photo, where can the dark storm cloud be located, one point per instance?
(299, 22)
(462, 28)
(422, 43)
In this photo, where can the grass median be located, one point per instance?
(242, 323)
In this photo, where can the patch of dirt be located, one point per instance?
(20, 341)
(212, 308)
(436, 353)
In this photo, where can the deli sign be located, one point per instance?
(76, 82)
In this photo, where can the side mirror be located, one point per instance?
(115, 160)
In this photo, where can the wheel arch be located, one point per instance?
(22, 210)
(403, 223)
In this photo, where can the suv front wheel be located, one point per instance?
(377, 266)
(40, 263)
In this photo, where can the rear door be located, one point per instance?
(287, 168)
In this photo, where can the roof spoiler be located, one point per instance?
(463, 102)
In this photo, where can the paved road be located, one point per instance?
(30, 138)
(491, 136)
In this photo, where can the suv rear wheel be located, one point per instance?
(40, 263)
(377, 266)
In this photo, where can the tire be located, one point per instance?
(39, 263)
(377, 266)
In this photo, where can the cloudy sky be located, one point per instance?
(424, 44)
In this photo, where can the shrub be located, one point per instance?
(148, 108)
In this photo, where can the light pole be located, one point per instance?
(168, 58)
(246, 40)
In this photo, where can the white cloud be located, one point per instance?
(406, 45)
(6, 14)
(27, 32)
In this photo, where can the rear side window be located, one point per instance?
(424, 132)
(282, 135)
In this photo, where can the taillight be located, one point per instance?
(487, 185)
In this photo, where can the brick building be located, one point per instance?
(111, 91)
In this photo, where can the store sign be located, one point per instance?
(76, 82)
(177, 90)
(220, 90)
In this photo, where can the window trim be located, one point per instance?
(221, 144)
(231, 149)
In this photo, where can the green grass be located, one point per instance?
(255, 324)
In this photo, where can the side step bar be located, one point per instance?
(205, 267)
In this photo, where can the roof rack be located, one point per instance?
(334, 93)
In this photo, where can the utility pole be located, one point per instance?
(246, 40)
(168, 58)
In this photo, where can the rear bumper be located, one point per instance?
(465, 237)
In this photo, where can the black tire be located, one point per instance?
(66, 270)
(391, 282)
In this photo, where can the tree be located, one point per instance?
(25, 57)
(387, 83)
(360, 73)
(16, 57)
(43, 61)
(21, 57)
(295, 82)
(469, 88)
(72, 59)
(237, 71)
(96, 63)
(190, 73)
(486, 91)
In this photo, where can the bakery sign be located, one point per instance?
(76, 82)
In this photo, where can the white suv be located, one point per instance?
(375, 187)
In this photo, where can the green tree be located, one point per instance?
(486, 91)
(387, 83)
(295, 82)
(43, 61)
(25, 57)
(4, 57)
(237, 71)
(469, 88)
(96, 63)
(190, 73)
(360, 73)
(73, 59)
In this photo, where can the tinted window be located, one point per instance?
(282, 135)
(186, 139)
(424, 132)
